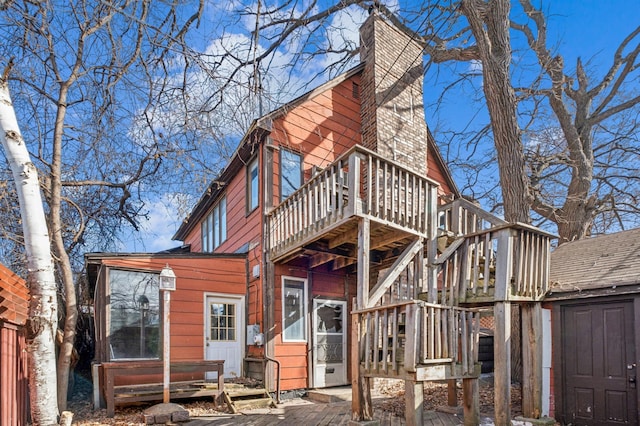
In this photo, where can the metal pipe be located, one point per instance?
(268, 358)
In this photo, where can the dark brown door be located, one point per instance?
(598, 348)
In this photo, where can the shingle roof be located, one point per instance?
(595, 263)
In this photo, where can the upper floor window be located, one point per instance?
(214, 227)
(252, 185)
(134, 326)
(290, 172)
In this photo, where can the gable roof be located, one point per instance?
(254, 135)
(603, 262)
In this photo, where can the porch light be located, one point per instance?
(144, 303)
(167, 279)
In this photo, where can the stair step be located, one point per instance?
(247, 404)
(247, 398)
(239, 393)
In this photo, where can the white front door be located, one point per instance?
(330, 343)
(223, 333)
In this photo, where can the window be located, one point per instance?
(134, 328)
(290, 173)
(294, 322)
(222, 322)
(214, 227)
(252, 185)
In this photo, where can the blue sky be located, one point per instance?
(589, 29)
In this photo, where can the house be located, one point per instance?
(363, 261)
(14, 308)
(595, 299)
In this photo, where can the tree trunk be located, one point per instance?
(490, 25)
(489, 22)
(42, 323)
(64, 264)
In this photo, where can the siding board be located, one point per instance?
(14, 300)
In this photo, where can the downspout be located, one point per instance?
(269, 271)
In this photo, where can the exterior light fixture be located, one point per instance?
(167, 279)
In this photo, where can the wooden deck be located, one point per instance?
(303, 412)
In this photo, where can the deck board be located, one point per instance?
(305, 413)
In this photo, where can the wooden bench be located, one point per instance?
(148, 388)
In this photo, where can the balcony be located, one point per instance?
(321, 216)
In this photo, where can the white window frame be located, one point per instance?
(253, 187)
(298, 155)
(302, 303)
(214, 227)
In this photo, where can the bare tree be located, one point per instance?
(85, 72)
(43, 305)
(482, 32)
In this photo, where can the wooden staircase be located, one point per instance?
(240, 398)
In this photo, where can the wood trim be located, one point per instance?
(636, 321)
(557, 363)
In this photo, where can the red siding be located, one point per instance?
(14, 299)
(435, 172)
(195, 277)
(321, 128)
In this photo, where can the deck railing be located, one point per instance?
(413, 333)
(362, 183)
(508, 262)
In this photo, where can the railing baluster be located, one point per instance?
(487, 262)
(385, 340)
(395, 328)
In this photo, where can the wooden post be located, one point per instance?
(502, 363)
(353, 180)
(166, 344)
(531, 360)
(361, 406)
(452, 393)
(364, 246)
(471, 402)
(414, 402)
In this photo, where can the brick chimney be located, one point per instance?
(392, 109)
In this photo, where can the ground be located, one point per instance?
(435, 396)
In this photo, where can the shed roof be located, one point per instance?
(602, 262)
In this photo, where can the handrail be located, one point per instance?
(268, 358)
(413, 333)
(506, 262)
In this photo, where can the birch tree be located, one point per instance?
(88, 79)
(43, 305)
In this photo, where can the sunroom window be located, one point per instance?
(134, 328)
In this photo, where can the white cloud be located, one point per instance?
(164, 218)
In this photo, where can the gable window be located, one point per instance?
(214, 227)
(290, 172)
(134, 326)
(294, 314)
(252, 185)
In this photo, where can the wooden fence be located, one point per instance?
(14, 299)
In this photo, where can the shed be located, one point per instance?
(595, 297)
